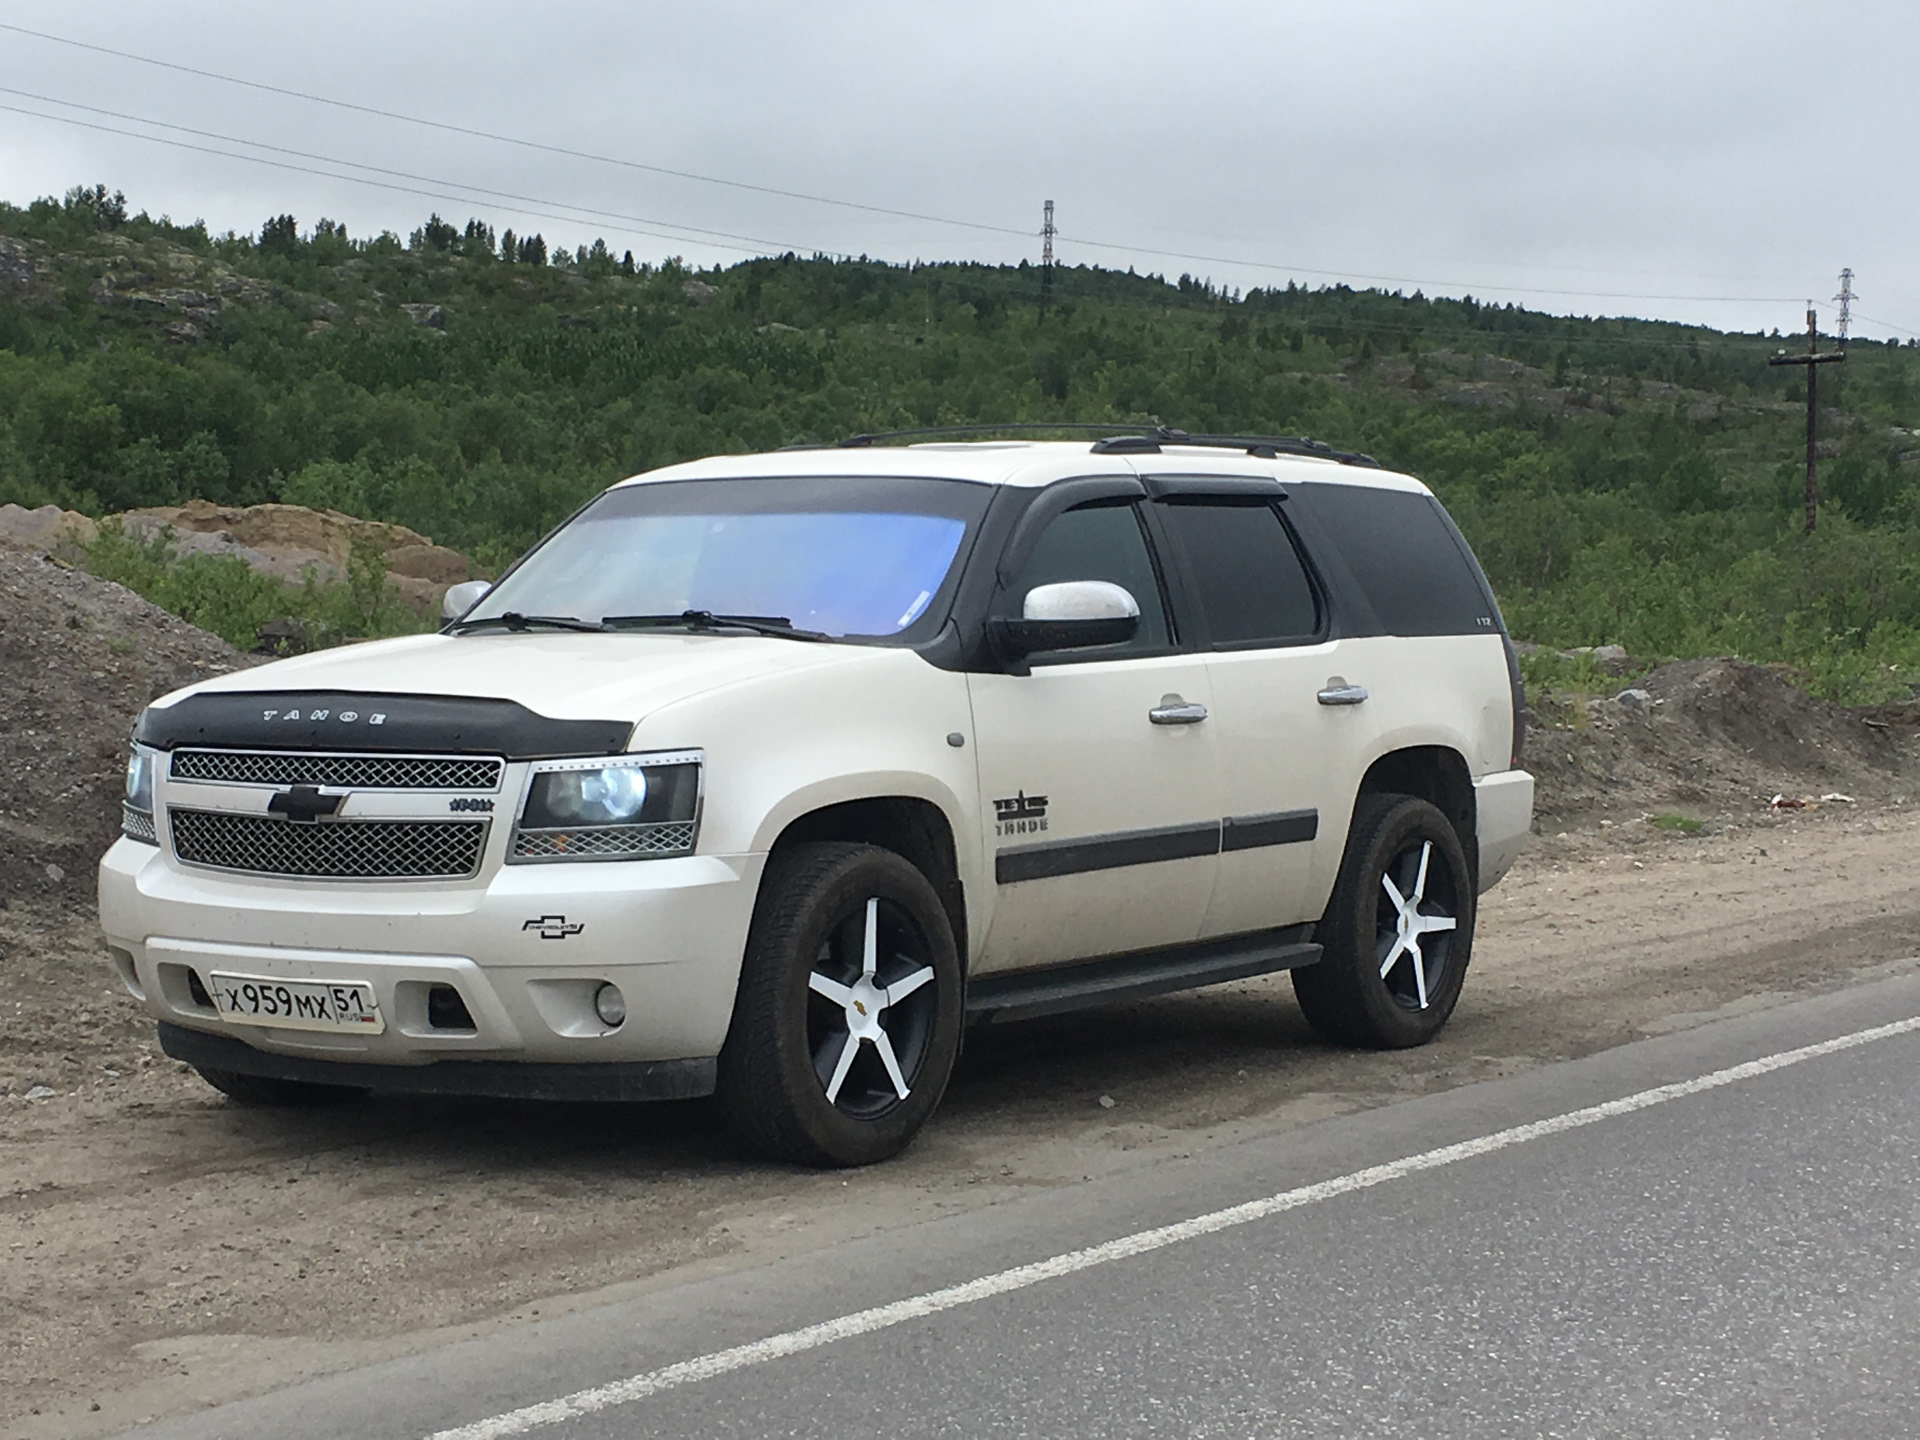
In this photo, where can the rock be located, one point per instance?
(48, 528)
(1107, 1102)
(433, 317)
(774, 327)
(289, 541)
(698, 292)
(181, 332)
(41, 1092)
(56, 874)
(1633, 699)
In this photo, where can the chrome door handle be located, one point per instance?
(1177, 712)
(1342, 695)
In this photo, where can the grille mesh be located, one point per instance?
(361, 772)
(341, 849)
(666, 837)
(137, 825)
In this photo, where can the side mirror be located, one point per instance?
(461, 598)
(1072, 615)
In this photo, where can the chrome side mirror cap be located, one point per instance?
(1081, 600)
(1070, 615)
(461, 598)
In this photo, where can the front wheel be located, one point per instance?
(1398, 932)
(847, 1019)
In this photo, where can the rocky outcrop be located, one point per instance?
(291, 542)
(49, 528)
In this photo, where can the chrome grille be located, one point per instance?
(137, 825)
(335, 849)
(605, 842)
(357, 772)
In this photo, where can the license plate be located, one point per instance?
(297, 1004)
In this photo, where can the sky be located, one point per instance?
(1712, 161)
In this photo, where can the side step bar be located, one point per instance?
(1028, 994)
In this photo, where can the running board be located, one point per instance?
(1025, 995)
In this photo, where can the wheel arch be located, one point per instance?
(911, 826)
(1437, 774)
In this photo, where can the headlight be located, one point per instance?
(642, 807)
(136, 811)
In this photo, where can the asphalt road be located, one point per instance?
(1707, 1234)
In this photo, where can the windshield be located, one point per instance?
(842, 556)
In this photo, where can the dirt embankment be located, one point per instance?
(79, 658)
(1716, 741)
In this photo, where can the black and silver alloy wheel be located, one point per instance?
(1415, 927)
(847, 1017)
(1398, 932)
(872, 1015)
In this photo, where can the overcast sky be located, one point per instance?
(1707, 160)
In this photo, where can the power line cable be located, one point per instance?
(751, 250)
(521, 141)
(694, 231)
(1463, 286)
(1113, 246)
(1889, 325)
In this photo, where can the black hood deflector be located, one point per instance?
(356, 720)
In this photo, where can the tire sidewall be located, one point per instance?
(1405, 822)
(785, 944)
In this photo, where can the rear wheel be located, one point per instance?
(847, 1019)
(265, 1091)
(1398, 932)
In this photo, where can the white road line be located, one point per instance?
(882, 1317)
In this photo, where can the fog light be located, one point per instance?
(610, 1005)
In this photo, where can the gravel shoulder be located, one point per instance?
(164, 1251)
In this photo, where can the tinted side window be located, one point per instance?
(1251, 584)
(1102, 541)
(1402, 552)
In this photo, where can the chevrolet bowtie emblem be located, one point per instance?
(304, 803)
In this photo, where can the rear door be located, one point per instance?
(1290, 724)
(1097, 768)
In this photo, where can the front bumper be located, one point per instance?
(504, 1079)
(525, 947)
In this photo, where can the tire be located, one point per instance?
(266, 1092)
(805, 1073)
(1372, 988)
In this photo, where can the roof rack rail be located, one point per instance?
(1264, 447)
(860, 442)
(1122, 438)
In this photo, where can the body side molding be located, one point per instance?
(1050, 858)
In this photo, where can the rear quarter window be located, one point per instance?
(1407, 559)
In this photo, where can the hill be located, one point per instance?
(1625, 481)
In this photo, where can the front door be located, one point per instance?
(1097, 770)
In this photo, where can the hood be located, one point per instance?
(619, 677)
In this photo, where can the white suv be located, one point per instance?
(767, 774)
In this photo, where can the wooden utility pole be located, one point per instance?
(1813, 360)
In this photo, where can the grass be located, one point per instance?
(225, 595)
(1680, 824)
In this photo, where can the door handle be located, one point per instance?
(1342, 695)
(1172, 710)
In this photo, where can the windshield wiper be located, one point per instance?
(697, 620)
(513, 620)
